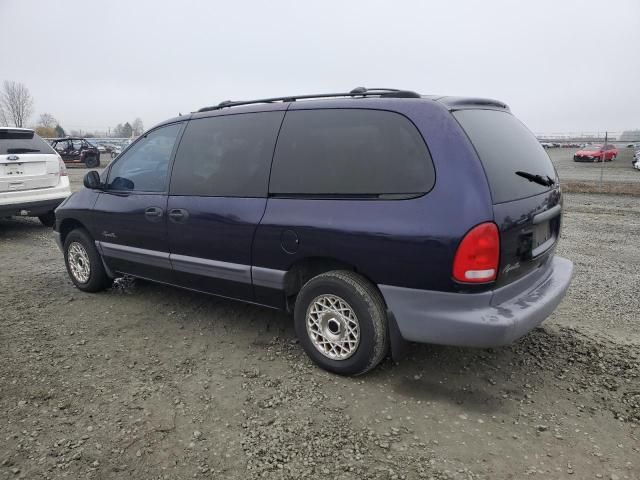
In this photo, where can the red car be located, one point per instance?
(596, 153)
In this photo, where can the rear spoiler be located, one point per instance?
(16, 134)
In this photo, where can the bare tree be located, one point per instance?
(47, 120)
(138, 127)
(16, 103)
(3, 117)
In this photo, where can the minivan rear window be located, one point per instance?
(13, 142)
(350, 152)
(506, 146)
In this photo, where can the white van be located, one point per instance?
(33, 177)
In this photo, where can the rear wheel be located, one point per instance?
(341, 321)
(48, 219)
(92, 162)
(83, 262)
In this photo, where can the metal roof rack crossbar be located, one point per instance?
(356, 92)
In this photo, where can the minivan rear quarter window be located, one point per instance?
(505, 146)
(22, 141)
(350, 152)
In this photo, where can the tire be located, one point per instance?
(92, 162)
(368, 337)
(79, 243)
(48, 219)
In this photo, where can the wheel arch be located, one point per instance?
(68, 225)
(306, 268)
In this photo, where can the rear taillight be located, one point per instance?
(63, 167)
(478, 254)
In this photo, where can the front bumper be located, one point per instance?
(585, 158)
(487, 319)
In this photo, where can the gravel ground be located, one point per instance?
(151, 382)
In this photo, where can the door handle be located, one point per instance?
(153, 214)
(178, 215)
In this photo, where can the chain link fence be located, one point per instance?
(615, 176)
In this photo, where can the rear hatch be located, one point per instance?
(527, 201)
(27, 162)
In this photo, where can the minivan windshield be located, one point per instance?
(22, 141)
(505, 147)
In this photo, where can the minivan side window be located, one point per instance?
(353, 152)
(226, 156)
(144, 166)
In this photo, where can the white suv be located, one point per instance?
(33, 177)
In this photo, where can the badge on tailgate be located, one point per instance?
(14, 169)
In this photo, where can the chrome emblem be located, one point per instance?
(510, 267)
(13, 157)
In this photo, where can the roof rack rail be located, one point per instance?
(356, 92)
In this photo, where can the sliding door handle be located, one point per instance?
(178, 215)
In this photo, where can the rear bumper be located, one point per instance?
(34, 202)
(30, 209)
(486, 319)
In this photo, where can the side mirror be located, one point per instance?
(92, 180)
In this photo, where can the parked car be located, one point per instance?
(596, 153)
(33, 177)
(374, 216)
(115, 151)
(77, 150)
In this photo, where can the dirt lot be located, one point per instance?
(151, 382)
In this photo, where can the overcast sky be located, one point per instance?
(562, 66)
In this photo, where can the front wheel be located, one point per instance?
(340, 320)
(83, 262)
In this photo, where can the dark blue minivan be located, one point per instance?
(376, 216)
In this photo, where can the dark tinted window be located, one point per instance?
(227, 156)
(506, 146)
(350, 152)
(22, 141)
(144, 166)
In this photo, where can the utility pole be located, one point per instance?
(604, 155)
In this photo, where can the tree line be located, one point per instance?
(16, 108)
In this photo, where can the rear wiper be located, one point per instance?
(546, 181)
(22, 150)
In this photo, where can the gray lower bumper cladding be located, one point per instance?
(486, 319)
